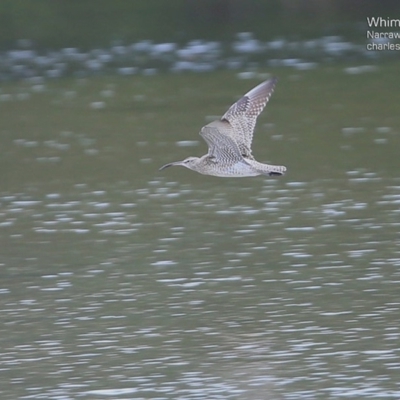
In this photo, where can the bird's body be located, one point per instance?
(229, 140)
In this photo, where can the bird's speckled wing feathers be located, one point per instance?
(221, 147)
(242, 115)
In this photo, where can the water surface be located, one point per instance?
(120, 281)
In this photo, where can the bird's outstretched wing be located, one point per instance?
(221, 147)
(242, 115)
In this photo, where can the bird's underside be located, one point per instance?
(229, 139)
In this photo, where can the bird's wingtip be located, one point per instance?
(273, 80)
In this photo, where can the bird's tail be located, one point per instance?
(273, 170)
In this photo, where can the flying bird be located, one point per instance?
(229, 139)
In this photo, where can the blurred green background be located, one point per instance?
(88, 23)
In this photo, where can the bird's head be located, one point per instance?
(189, 162)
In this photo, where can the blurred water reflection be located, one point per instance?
(178, 286)
(176, 291)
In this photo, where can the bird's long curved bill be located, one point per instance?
(169, 165)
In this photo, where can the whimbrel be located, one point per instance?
(229, 139)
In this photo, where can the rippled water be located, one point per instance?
(172, 285)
